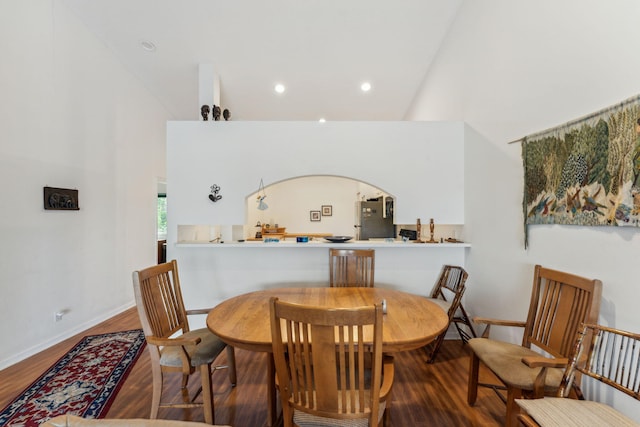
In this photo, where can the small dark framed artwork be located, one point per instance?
(314, 215)
(327, 210)
(61, 199)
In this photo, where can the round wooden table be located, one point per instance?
(411, 321)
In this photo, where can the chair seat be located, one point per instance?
(563, 412)
(505, 360)
(445, 305)
(201, 354)
(303, 419)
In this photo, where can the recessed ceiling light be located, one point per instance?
(279, 88)
(365, 87)
(148, 45)
(322, 120)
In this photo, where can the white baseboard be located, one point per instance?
(63, 336)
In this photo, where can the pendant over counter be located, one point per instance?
(261, 196)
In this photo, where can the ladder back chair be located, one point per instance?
(560, 302)
(351, 267)
(447, 294)
(608, 355)
(330, 369)
(173, 347)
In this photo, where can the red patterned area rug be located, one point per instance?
(83, 382)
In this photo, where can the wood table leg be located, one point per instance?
(272, 409)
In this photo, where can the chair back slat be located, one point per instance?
(609, 355)
(560, 302)
(325, 354)
(453, 278)
(351, 267)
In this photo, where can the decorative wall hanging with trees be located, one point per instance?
(585, 172)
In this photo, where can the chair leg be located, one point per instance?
(185, 381)
(207, 393)
(464, 318)
(386, 417)
(512, 407)
(231, 361)
(472, 387)
(272, 396)
(157, 375)
(436, 347)
(184, 390)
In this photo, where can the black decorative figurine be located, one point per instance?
(214, 196)
(216, 113)
(226, 114)
(204, 112)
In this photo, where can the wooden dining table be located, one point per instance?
(411, 321)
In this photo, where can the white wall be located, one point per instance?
(404, 159)
(70, 117)
(513, 68)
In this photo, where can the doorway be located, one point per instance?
(161, 221)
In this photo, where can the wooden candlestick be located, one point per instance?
(432, 227)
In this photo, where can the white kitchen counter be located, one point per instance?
(357, 244)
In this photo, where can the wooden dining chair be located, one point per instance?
(330, 369)
(351, 267)
(560, 302)
(608, 355)
(447, 294)
(173, 347)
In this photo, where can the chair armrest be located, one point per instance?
(497, 322)
(173, 341)
(545, 362)
(387, 380)
(198, 311)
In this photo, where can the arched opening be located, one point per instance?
(322, 204)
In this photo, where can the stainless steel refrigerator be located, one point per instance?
(375, 218)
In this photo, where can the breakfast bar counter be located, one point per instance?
(355, 244)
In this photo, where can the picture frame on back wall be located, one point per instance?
(314, 215)
(327, 210)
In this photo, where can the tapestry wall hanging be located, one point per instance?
(585, 172)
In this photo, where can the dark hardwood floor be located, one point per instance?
(423, 394)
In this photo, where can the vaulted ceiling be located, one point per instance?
(321, 51)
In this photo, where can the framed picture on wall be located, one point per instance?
(60, 199)
(314, 215)
(327, 210)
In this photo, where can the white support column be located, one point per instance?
(208, 87)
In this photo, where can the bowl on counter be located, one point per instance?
(338, 239)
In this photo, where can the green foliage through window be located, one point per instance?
(162, 215)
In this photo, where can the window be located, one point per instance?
(162, 216)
